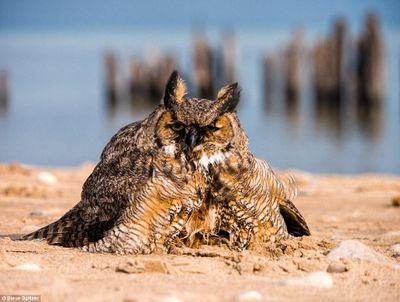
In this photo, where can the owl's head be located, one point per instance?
(197, 126)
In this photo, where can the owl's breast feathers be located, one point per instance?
(253, 196)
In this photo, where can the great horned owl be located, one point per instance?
(182, 172)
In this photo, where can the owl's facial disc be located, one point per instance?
(200, 126)
(197, 111)
(191, 136)
(217, 136)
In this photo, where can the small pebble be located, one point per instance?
(257, 267)
(170, 299)
(155, 266)
(47, 178)
(391, 234)
(32, 267)
(353, 249)
(395, 248)
(130, 267)
(36, 213)
(130, 300)
(248, 296)
(396, 201)
(315, 279)
(336, 267)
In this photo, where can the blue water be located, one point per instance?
(57, 115)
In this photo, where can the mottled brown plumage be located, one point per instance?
(249, 201)
(184, 172)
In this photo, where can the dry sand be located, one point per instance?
(337, 207)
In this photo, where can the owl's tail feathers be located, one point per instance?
(295, 223)
(69, 230)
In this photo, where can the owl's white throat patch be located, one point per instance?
(215, 158)
(169, 149)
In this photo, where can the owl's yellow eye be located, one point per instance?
(177, 127)
(212, 127)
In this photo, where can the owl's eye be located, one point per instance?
(212, 127)
(177, 127)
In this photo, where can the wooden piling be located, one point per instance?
(203, 68)
(110, 64)
(135, 80)
(329, 61)
(4, 91)
(167, 66)
(338, 40)
(291, 71)
(269, 70)
(329, 65)
(147, 81)
(370, 63)
(229, 58)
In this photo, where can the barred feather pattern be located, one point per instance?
(250, 195)
(156, 216)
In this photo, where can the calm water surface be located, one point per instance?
(57, 115)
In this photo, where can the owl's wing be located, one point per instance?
(71, 230)
(124, 166)
(295, 223)
(156, 214)
(282, 191)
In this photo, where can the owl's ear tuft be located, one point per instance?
(228, 97)
(175, 90)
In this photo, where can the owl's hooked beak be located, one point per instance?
(192, 138)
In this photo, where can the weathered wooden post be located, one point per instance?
(4, 91)
(319, 55)
(329, 64)
(370, 68)
(269, 81)
(152, 83)
(110, 64)
(291, 72)
(229, 58)
(135, 80)
(203, 68)
(338, 39)
(167, 66)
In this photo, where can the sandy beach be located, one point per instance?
(337, 208)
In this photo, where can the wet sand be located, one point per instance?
(336, 207)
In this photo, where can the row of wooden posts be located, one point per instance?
(145, 83)
(343, 68)
(146, 80)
